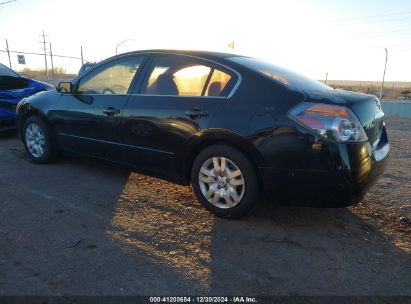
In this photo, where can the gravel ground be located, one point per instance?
(388, 205)
(81, 227)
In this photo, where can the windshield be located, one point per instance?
(5, 71)
(280, 74)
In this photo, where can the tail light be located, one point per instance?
(331, 121)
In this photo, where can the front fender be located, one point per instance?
(39, 104)
(42, 102)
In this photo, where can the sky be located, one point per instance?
(344, 38)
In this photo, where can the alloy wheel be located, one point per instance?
(35, 140)
(221, 182)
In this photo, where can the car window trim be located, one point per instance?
(210, 74)
(138, 81)
(184, 96)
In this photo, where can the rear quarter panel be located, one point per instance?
(259, 112)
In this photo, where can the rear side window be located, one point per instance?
(184, 76)
(190, 81)
(280, 74)
(113, 78)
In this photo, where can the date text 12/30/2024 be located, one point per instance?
(200, 299)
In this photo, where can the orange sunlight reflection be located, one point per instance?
(164, 223)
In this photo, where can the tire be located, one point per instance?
(231, 193)
(38, 140)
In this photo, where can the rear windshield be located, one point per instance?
(280, 74)
(5, 71)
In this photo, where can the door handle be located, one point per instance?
(111, 111)
(194, 113)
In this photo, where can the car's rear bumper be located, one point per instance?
(356, 168)
(8, 123)
(8, 115)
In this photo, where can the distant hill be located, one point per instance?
(365, 83)
(392, 89)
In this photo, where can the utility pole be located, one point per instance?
(52, 63)
(326, 78)
(8, 53)
(383, 76)
(45, 54)
(82, 59)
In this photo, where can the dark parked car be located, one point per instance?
(14, 88)
(234, 127)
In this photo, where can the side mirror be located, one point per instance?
(65, 87)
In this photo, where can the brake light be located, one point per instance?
(331, 121)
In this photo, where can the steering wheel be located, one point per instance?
(108, 91)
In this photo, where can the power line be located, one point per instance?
(369, 22)
(391, 46)
(381, 33)
(366, 17)
(5, 2)
(403, 36)
(402, 49)
(41, 54)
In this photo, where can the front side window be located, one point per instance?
(113, 78)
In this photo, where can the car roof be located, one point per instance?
(4, 69)
(196, 53)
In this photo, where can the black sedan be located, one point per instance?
(234, 127)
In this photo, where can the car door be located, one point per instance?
(88, 120)
(177, 98)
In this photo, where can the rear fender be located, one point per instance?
(209, 137)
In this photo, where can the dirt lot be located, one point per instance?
(80, 227)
